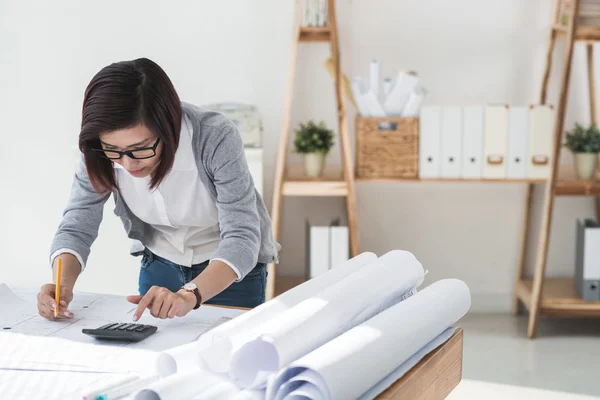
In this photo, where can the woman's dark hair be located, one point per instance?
(123, 95)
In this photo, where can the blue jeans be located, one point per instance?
(158, 271)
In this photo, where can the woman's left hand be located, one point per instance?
(163, 303)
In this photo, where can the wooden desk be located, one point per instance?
(434, 377)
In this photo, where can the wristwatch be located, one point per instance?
(191, 287)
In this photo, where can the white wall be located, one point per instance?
(466, 52)
(213, 51)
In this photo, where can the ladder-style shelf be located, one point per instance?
(290, 180)
(557, 297)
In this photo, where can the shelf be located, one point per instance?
(582, 33)
(449, 180)
(559, 298)
(332, 183)
(568, 184)
(311, 34)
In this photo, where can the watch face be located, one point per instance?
(189, 286)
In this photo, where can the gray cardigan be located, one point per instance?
(245, 225)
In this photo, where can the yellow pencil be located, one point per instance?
(58, 271)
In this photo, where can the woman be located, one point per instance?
(182, 189)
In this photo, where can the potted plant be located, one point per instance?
(314, 142)
(584, 143)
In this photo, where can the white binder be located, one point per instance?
(472, 142)
(451, 129)
(339, 245)
(541, 132)
(518, 141)
(318, 250)
(429, 142)
(495, 141)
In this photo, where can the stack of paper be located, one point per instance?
(37, 367)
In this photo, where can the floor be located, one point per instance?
(499, 359)
(477, 390)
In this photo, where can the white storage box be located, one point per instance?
(246, 117)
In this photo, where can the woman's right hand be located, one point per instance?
(46, 302)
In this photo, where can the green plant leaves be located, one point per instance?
(313, 138)
(583, 140)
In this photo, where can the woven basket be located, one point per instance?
(387, 147)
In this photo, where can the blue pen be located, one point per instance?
(94, 393)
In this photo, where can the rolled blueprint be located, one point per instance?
(321, 317)
(375, 348)
(216, 346)
(185, 355)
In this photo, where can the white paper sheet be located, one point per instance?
(14, 308)
(24, 352)
(94, 310)
(380, 345)
(216, 347)
(47, 385)
(322, 317)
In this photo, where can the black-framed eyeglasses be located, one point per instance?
(136, 154)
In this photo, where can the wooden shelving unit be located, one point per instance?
(539, 295)
(290, 180)
(332, 183)
(568, 184)
(557, 297)
(451, 180)
(582, 33)
(310, 34)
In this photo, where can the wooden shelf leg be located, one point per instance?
(591, 83)
(282, 154)
(523, 249)
(540, 267)
(549, 50)
(344, 137)
(592, 94)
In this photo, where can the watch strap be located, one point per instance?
(198, 298)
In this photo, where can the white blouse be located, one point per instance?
(181, 211)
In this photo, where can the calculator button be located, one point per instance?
(114, 328)
(124, 327)
(140, 328)
(108, 325)
(131, 327)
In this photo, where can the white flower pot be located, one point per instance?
(314, 164)
(585, 164)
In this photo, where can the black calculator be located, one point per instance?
(122, 331)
